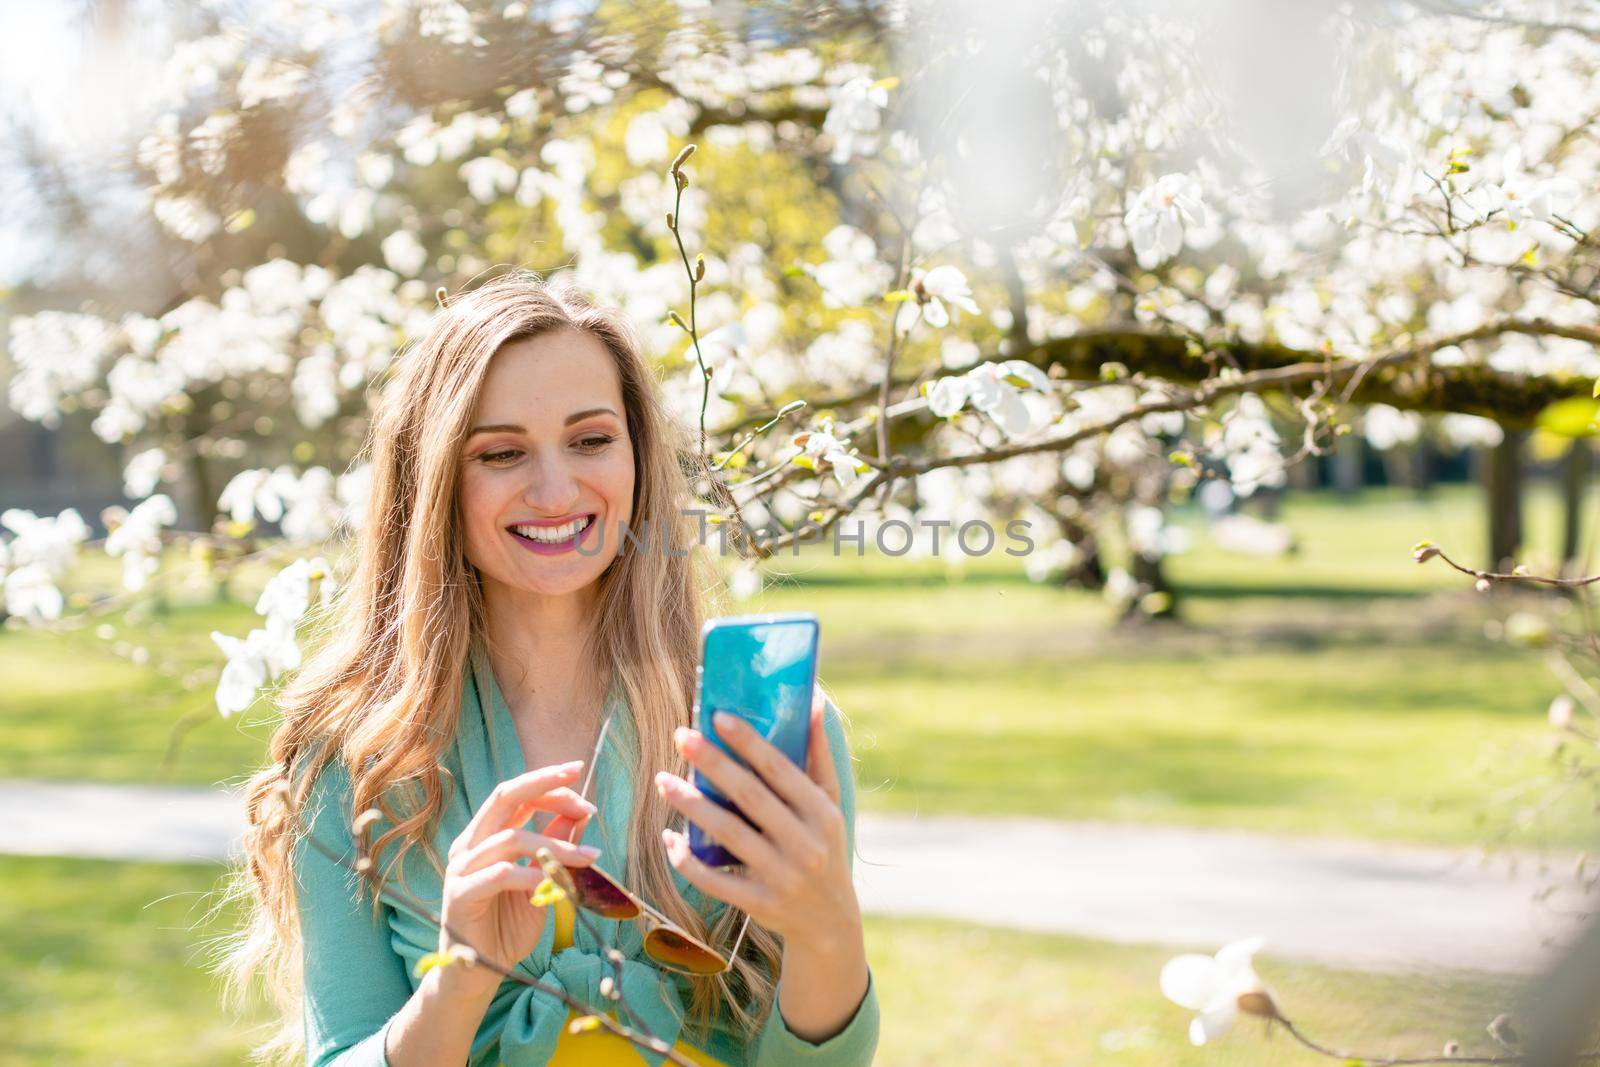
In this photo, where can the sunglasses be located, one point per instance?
(665, 942)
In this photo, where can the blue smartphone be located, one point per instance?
(763, 669)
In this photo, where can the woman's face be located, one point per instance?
(547, 469)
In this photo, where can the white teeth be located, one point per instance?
(553, 534)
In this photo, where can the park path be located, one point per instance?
(1352, 904)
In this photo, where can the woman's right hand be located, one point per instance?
(487, 892)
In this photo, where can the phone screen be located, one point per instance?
(761, 668)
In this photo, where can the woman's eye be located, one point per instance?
(499, 457)
(595, 443)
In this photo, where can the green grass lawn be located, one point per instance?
(1345, 691)
(101, 963)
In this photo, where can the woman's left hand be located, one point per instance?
(796, 879)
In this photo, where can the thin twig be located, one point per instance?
(643, 1038)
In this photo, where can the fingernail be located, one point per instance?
(573, 766)
(680, 734)
(724, 721)
(589, 850)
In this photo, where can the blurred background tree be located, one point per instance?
(1176, 289)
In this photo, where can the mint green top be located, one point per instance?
(359, 965)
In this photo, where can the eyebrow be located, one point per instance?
(511, 427)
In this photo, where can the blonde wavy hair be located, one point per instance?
(382, 691)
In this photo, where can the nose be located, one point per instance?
(551, 489)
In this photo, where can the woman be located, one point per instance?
(498, 621)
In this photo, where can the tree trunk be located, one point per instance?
(1017, 294)
(1422, 458)
(1349, 457)
(1089, 572)
(1576, 467)
(1152, 574)
(1503, 482)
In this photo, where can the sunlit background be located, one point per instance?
(1245, 312)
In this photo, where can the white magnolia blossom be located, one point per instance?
(311, 507)
(404, 253)
(649, 136)
(50, 543)
(996, 389)
(1387, 427)
(161, 151)
(423, 141)
(351, 490)
(847, 354)
(31, 594)
(137, 539)
(819, 446)
(57, 354)
(305, 505)
(261, 657)
(523, 104)
(487, 177)
(1524, 198)
(1150, 535)
(1214, 986)
(449, 21)
(287, 595)
(853, 274)
(186, 217)
(253, 493)
(941, 286)
(1470, 431)
(252, 330)
(39, 554)
(744, 581)
(138, 387)
(316, 386)
(252, 663)
(589, 83)
(210, 141)
(143, 473)
(854, 118)
(1250, 447)
(1161, 213)
(266, 78)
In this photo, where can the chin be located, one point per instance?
(557, 581)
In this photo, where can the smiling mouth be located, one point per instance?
(553, 535)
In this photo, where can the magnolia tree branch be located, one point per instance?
(1398, 1061)
(1424, 551)
(590, 1018)
(1514, 400)
(1323, 374)
(696, 272)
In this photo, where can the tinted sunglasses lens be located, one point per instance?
(677, 950)
(599, 894)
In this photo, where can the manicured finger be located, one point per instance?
(819, 753)
(779, 772)
(497, 878)
(729, 888)
(738, 836)
(563, 828)
(513, 844)
(740, 785)
(561, 802)
(524, 792)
